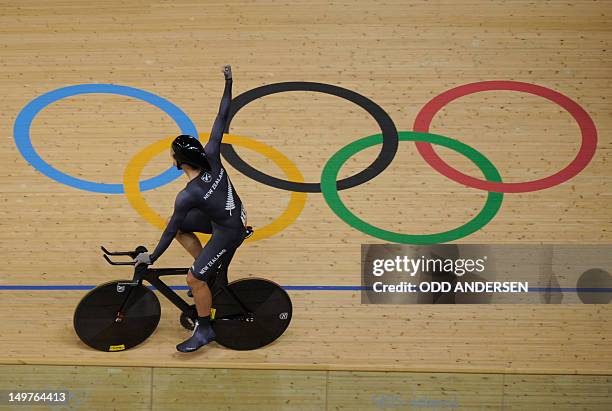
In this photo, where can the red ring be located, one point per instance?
(584, 156)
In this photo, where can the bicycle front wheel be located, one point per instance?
(99, 323)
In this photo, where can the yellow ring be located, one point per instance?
(131, 179)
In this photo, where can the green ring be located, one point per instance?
(335, 163)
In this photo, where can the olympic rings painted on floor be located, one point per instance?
(134, 169)
(295, 183)
(382, 161)
(332, 197)
(582, 159)
(21, 131)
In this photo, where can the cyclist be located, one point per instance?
(209, 204)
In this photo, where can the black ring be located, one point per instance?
(386, 155)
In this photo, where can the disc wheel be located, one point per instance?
(97, 324)
(269, 305)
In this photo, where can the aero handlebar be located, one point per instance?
(131, 254)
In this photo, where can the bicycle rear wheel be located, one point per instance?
(270, 314)
(98, 325)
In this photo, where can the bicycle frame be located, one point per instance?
(152, 276)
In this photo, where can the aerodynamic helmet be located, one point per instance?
(188, 150)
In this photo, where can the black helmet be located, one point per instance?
(188, 150)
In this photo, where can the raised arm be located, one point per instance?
(182, 205)
(213, 147)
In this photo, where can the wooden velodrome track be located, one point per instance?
(400, 55)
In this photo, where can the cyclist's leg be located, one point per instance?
(222, 244)
(202, 332)
(195, 221)
(220, 278)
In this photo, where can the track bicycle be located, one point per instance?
(246, 314)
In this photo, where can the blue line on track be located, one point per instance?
(174, 287)
(286, 287)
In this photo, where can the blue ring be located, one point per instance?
(24, 120)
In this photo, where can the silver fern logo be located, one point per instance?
(229, 204)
